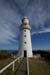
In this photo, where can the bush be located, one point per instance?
(4, 55)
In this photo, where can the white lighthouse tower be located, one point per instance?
(25, 47)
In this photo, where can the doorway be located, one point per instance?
(25, 53)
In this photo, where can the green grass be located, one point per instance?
(38, 67)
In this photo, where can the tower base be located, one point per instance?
(25, 54)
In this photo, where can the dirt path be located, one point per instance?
(23, 68)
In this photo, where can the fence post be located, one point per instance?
(18, 60)
(13, 68)
(27, 65)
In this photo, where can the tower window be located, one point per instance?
(25, 42)
(25, 30)
(24, 35)
(25, 24)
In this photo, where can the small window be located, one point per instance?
(24, 35)
(25, 24)
(25, 42)
(25, 30)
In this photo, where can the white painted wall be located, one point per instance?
(28, 45)
(27, 39)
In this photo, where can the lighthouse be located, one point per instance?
(25, 46)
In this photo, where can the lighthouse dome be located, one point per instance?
(25, 20)
(25, 24)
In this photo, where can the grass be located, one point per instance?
(8, 71)
(4, 62)
(38, 67)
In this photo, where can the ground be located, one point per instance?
(4, 62)
(39, 67)
(36, 67)
(9, 70)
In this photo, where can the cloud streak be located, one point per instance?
(12, 11)
(40, 32)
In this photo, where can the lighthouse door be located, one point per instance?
(25, 53)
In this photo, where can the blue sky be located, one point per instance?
(11, 13)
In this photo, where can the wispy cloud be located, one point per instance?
(12, 11)
(40, 32)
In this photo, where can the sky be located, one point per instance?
(11, 13)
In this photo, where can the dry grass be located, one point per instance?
(4, 62)
(9, 70)
(39, 67)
